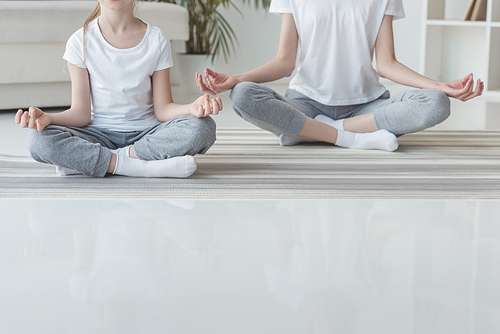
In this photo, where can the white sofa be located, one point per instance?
(33, 36)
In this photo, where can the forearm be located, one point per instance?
(71, 117)
(397, 72)
(271, 71)
(170, 111)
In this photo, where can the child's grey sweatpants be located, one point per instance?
(407, 112)
(88, 149)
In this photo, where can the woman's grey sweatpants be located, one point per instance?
(406, 112)
(88, 149)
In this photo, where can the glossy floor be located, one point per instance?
(249, 266)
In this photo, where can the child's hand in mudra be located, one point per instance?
(203, 107)
(34, 118)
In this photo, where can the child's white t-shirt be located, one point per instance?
(120, 79)
(336, 45)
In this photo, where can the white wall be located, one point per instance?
(258, 34)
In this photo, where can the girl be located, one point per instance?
(335, 95)
(122, 118)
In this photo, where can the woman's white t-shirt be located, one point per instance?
(336, 43)
(120, 79)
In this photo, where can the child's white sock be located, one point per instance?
(180, 167)
(379, 140)
(61, 171)
(286, 140)
(338, 124)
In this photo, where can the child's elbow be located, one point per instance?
(383, 69)
(289, 68)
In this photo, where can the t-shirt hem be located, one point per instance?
(280, 10)
(397, 15)
(164, 66)
(125, 128)
(338, 103)
(76, 63)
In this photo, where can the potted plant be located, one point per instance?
(210, 35)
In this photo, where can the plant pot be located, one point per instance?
(189, 65)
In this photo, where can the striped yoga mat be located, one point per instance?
(247, 163)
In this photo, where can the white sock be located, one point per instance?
(123, 151)
(180, 167)
(286, 140)
(338, 124)
(379, 140)
(61, 171)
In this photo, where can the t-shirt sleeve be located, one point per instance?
(74, 49)
(280, 7)
(165, 60)
(395, 8)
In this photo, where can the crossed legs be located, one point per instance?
(296, 118)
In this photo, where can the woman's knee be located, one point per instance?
(438, 106)
(245, 96)
(242, 92)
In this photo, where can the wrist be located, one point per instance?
(48, 117)
(435, 85)
(239, 78)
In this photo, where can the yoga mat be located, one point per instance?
(247, 163)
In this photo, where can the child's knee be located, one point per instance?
(205, 128)
(38, 145)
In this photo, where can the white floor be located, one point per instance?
(250, 266)
(158, 266)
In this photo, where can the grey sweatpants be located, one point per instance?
(406, 112)
(88, 149)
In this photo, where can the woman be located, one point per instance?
(335, 95)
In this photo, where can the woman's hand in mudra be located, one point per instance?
(215, 83)
(462, 89)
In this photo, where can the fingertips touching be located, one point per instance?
(39, 126)
(207, 106)
(215, 107)
(219, 102)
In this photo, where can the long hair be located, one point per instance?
(95, 14)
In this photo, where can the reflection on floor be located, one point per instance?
(302, 266)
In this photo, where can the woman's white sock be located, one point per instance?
(286, 140)
(179, 167)
(379, 140)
